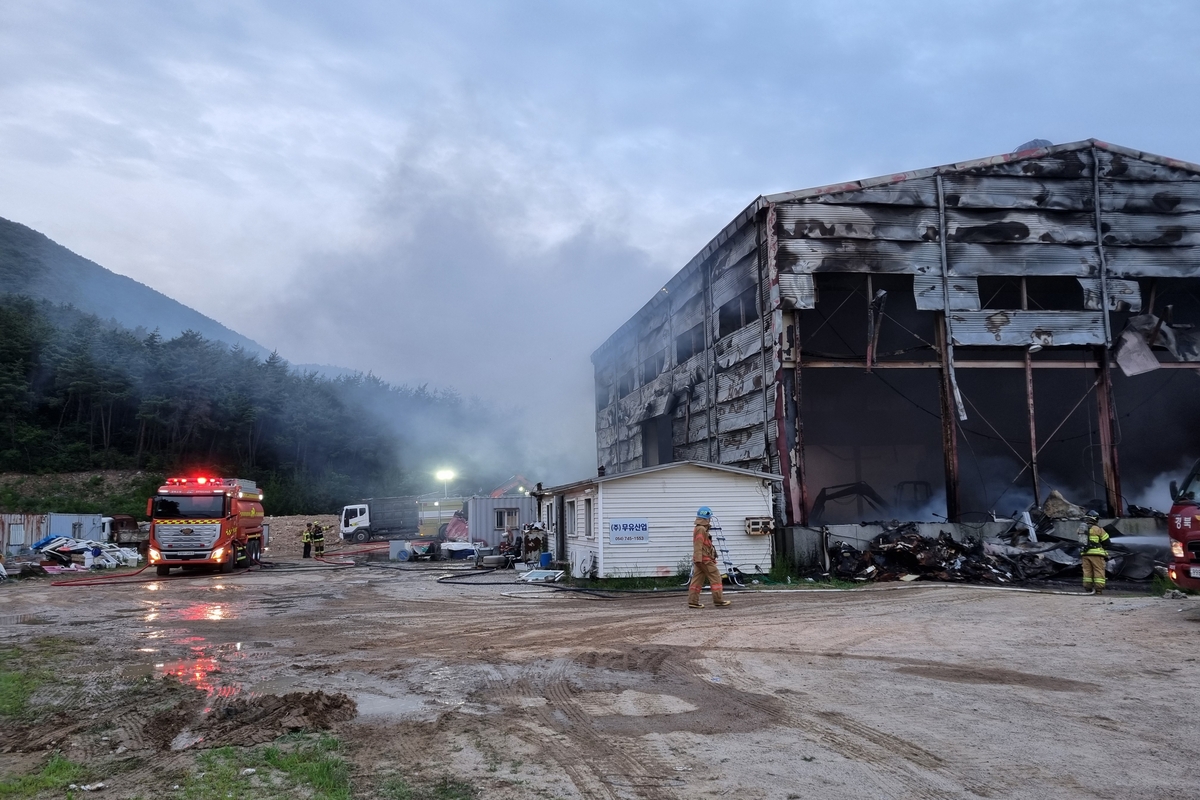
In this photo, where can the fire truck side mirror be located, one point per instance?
(150, 507)
(1174, 491)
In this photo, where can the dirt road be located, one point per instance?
(914, 692)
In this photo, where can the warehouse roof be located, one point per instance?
(674, 464)
(1032, 157)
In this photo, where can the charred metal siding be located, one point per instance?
(714, 399)
(1101, 214)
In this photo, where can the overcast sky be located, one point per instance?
(475, 195)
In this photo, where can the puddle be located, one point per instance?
(24, 619)
(377, 705)
(199, 673)
(203, 670)
(194, 612)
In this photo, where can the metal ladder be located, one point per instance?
(722, 548)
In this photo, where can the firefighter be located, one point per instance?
(318, 538)
(307, 538)
(1095, 553)
(704, 562)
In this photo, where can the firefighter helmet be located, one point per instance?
(1092, 516)
(704, 512)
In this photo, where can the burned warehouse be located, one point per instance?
(938, 344)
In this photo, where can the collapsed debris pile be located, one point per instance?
(903, 554)
(58, 554)
(1031, 550)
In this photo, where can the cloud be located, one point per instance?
(476, 195)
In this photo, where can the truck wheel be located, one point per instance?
(227, 564)
(362, 536)
(163, 570)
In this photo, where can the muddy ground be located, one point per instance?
(918, 691)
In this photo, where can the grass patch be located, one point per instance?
(310, 764)
(651, 583)
(23, 670)
(16, 684)
(445, 788)
(57, 774)
(1160, 585)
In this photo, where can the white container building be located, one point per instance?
(639, 523)
(489, 517)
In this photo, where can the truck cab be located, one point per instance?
(356, 519)
(1184, 529)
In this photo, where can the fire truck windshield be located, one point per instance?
(192, 506)
(1191, 484)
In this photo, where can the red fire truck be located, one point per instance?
(1185, 531)
(205, 521)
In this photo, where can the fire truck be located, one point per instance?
(1184, 522)
(205, 522)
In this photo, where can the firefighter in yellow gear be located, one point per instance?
(318, 538)
(704, 562)
(1095, 553)
(307, 538)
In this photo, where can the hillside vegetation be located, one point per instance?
(33, 265)
(78, 393)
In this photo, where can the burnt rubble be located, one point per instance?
(901, 553)
(904, 554)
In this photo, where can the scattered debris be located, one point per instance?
(248, 771)
(29, 570)
(1175, 594)
(542, 576)
(902, 552)
(61, 550)
(1142, 511)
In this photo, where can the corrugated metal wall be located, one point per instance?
(19, 531)
(481, 516)
(80, 526)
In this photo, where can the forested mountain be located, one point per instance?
(78, 392)
(33, 265)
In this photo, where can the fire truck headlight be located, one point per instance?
(1177, 548)
(220, 551)
(155, 555)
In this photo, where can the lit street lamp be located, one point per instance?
(445, 476)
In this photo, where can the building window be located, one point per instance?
(625, 385)
(653, 366)
(570, 520)
(603, 396)
(589, 528)
(688, 343)
(738, 312)
(507, 519)
(657, 444)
